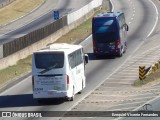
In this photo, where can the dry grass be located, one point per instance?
(148, 79)
(78, 34)
(12, 72)
(17, 9)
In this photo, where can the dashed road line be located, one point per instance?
(118, 83)
(124, 109)
(139, 91)
(91, 100)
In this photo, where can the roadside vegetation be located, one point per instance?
(13, 72)
(17, 9)
(152, 77)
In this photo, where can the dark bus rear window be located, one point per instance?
(107, 37)
(49, 60)
(104, 21)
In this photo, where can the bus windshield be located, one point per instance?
(49, 60)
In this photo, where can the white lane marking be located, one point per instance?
(128, 108)
(131, 70)
(126, 73)
(127, 104)
(156, 87)
(122, 79)
(115, 77)
(122, 95)
(150, 60)
(121, 75)
(122, 100)
(156, 18)
(117, 82)
(111, 105)
(147, 56)
(151, 89)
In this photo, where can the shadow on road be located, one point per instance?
(25, 100)
(93, 57)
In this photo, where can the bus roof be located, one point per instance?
(108, 14)
(60, 47)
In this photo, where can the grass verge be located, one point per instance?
(13, 72)
(17, 9)
(148, 79)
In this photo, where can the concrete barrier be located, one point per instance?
(72, 17)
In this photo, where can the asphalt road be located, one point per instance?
(64, 7)
(2, 1)
(140, 15)
(152, 106)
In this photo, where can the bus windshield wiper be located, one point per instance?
(48, 69)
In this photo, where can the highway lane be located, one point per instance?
(2, 1)
(64, 7)
(96, 71)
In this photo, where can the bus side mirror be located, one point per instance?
(126, 27)
(86, 58)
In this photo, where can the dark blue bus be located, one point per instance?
(109, 32)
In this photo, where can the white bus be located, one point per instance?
(58, 71)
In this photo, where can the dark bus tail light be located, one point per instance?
(33, 82)
(118, 44)
(67, 82)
